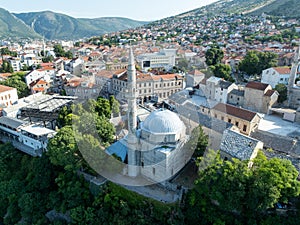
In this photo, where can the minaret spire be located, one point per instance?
(44, 47)
(131, 95)
(293, 75)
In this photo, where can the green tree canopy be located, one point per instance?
(234, 188)
(255, 62)
(201, 141)
(102, 107)
(214, 56)
(63, 150)
(114, 104)
(47, 59)
(17, 81)
(6, 67)
(222, 71)
(6, 51)
(60, 52)
(282, 90)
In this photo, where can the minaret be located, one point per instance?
(44, 47)
(293, 76)
(131, 96)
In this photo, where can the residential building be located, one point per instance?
(217, 89)
(83, 88)
(93, 66)
(164, 59)
(30, 59)
(276, 75)
(236, 97)
(39, 107)
(194, 77)
(149, 86)
(259, 97)
(103, 79)
(75, 66)
(39, 86)
(115, 66)
(46, 74)
(16, 64)
(245, 120)
(8, 96)
(29, 138)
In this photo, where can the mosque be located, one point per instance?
(154, 149)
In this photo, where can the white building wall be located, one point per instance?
(34, 75)
(272, 77)
(16, 64)
(35, 144)
(9, 97)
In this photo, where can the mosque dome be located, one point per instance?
(163, 122)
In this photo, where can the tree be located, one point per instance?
(282, 90)
(69, 54)
(6, 51)
(250, 63)
(202, 141)
(47, 59)
(214, 56)
(183, 64)
(105, 130)
(102, 107)
(234, 188)
(63, 118)
(6, 67)
(25, 67)
(60, 52)
(63, 150)
(114, 104)
(17, 81)
(255, 62)
(222, 71)
(73, 190)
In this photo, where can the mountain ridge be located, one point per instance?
(11, 26)
(287, 8)
(53, 25)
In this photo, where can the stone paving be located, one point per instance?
(276, 125)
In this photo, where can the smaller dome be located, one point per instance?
(163, 122)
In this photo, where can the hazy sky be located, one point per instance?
(135, 9)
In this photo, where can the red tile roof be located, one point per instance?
(45, 68)
(203, 81)
(49, 64)
(282, 70)
(170, 76)
(38, 89)
(235, 111)
(257, 85)
(41, 82)
(105, 73)
(5, 75)
(269, 93)
(5, 88)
